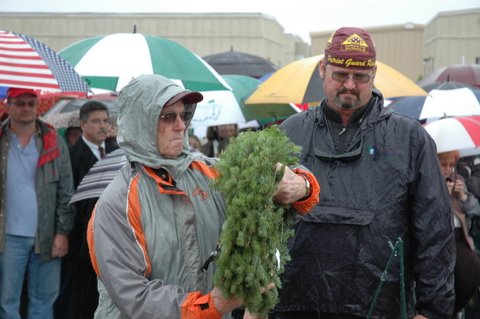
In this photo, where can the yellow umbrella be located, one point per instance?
(394, 84)
(299, 82)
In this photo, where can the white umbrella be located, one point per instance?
(458, 102)
(217, 108)
(438, 104)
(227, 107)
(62, 120)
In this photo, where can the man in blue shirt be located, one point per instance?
(35, 218)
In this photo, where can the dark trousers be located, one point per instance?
(467, 271)
(310, 315)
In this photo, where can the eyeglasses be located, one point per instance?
(22, 103)
(171, 117)
(341, 77)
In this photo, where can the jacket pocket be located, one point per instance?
(339, 215)
(51, 174)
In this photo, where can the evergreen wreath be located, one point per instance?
(256, 229)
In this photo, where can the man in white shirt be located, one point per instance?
(78, 298)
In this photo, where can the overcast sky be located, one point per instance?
(296, 16)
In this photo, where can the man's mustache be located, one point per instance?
(344, 90)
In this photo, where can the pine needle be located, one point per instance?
(256, 229)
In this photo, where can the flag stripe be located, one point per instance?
(47, 75)
(19, 56)
(17, 49)
(25, 79)
(28, 84)
(26, 64)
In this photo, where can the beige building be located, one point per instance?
(452, 37)
(204, 34)
(415, 50)
(400, 46)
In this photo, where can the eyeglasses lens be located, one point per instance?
(172, 117)
(22, 103)
(357, 77)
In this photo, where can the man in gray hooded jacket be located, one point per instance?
(158, 221)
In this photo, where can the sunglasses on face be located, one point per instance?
(171, 117)
(341, 77)
(22, 103)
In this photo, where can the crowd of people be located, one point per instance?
(368, 177)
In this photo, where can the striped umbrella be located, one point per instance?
(28, 63)
(99, 176)
(456, 133)
(110, 62)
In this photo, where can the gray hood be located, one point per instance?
(141, 102)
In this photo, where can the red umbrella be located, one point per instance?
(463, 73)
(456, 133)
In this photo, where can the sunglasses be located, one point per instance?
(22, 103)
(171, 117)
(341, 77)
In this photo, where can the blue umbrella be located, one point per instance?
(3, 92)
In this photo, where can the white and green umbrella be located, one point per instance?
(228, 107)
(109, 62)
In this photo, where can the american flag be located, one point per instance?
(28, 63)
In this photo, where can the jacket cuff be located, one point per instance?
(304, 205)
(198, 306)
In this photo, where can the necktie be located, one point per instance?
(102, 152)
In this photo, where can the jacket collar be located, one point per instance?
(49, 149)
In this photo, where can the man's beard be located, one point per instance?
(350, 104)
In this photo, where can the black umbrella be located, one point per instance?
(464, 73)
(235, 62)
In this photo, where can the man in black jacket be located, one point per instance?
(79, 296)
(381, 182)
